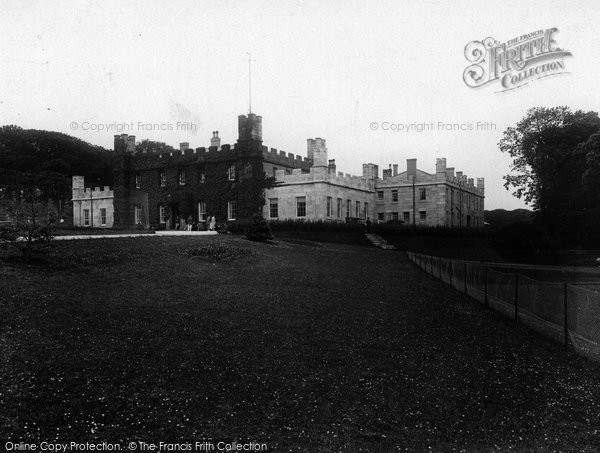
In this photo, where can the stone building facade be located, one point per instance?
(234, 182)
(442, 198)
(92, 207)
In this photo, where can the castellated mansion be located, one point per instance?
(231, 183)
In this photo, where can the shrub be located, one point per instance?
(31, 222)
(259, 230)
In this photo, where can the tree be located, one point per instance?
(549, 162)
(30, 220)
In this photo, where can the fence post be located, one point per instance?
(451, 272)
(465, 271)
(565, 301)
(486, 286)
(517, 297)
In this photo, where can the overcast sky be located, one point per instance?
(320, 69)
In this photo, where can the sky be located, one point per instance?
(347, 71)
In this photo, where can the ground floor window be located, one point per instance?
(394, 216)
(339, 207)
(357, 209)
(380, 216)
(406, 216)
(301, 206)
(422, 216)
(273, 208)
(86, 217)
(102, 216)
(366, 213)
(162, 214)
(231, 210)
(137, 215)
(348, 207)
(202, 211)
(329, 203)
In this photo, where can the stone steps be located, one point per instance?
(378, 241)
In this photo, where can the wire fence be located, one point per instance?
(565, 311)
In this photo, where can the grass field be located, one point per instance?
(305, 346)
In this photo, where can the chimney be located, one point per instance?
(79, 185)
(130, 143)
(440, 165)
(387, 173)
(370, 171)
(395, 170)
(183, 146)
(215, 140)
(411, 168)
(316, 152)
(332, 166)
(481, 183)
(450, 172)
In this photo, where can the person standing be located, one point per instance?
(189, 223)
(213, 223)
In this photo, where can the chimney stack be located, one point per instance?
(411, 169)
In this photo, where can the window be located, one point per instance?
(182, 178)
(380, 194)
(137, 181)
(329, 203)
(357, 206)
(202, 177)
(380, 216)
(394, 196)
(301, 206)
(137, 215)
(339, 207)
(163, 179)
(406, 216)
(394, 216)
(422, 215)
(288, 171)
(86, 217)
(202, 211)
(102, 216)
(273, 208)
(231, 172)
(231, 210)
(422, 193)
(348, 207)
(162, 214)
(366, 214)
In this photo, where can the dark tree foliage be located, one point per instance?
(552, 149)
(54, 155)
(149, 146)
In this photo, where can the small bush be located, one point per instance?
(259, 229)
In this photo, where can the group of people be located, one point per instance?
(188, 224)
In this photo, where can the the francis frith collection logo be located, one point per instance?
(516, 62)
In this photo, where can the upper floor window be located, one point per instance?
(422, 193)
(137, 181)
(231, 172)
(182, 178)
(163, 179)
(380, 194)
(394, 196)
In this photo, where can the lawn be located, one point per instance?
(305, 346)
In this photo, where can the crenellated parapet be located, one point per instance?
(321, 175)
